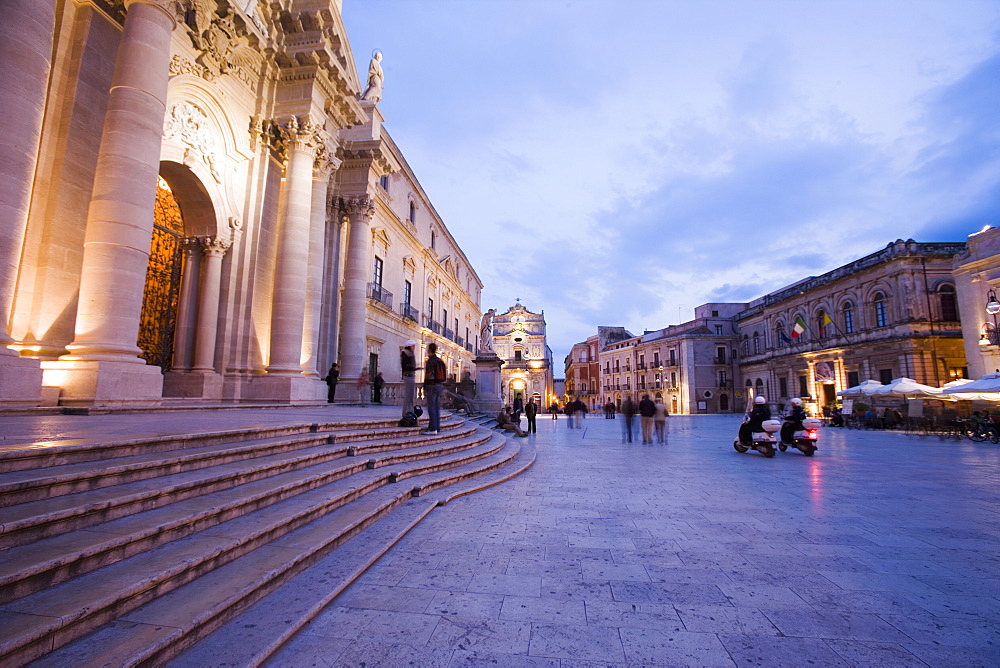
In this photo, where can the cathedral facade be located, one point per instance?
(519, 341)
(200, 203)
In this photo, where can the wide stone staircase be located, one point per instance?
(214, 548)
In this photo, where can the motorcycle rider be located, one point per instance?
(793, 421)
(755, 421)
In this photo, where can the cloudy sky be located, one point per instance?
(619, 162)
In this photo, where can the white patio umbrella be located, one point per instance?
(990, 383)
(907, 388)
(864, 389)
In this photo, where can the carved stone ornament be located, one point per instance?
(326, 161)
(189, 124)
(180, 65)
(215, 245)
(362, 205)
(223, 42)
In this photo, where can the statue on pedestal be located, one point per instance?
(373, 91)
(486, 333)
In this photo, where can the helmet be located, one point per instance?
(759, 400)
(796, 401)
(409, 343)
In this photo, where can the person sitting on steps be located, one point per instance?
(506, 422)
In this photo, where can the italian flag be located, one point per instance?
(799, 327)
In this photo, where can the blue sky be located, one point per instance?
(620, 162)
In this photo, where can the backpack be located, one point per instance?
(408, 420)
(436, 370)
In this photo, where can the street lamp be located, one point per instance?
(991, 334)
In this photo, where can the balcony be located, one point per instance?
(448, 334)
(379, 294)
(460, 341)
(720, 360)
(641, 366)
(468, 346)
(409, 312)
(432, 325)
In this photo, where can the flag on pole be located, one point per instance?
(798, 327)
(827, 320)
(785, 341)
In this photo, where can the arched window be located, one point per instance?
(756, 343)
(759, 390)
(746, 345)
(949, 306)
(779, 335)
(821, 322)
(848, 312)
(881, 317)
(413, 213)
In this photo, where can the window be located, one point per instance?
(782, 338)
(407, 292)
(384, 182)
(673, 358)
(517, 355)
(656, 359)
(853, 379)
(756, 343)
(617, 367)
(444, 317)
(759, 389)
(803, 386)
(783, 387)
(821, 325)
(720, 355)
(718, 330)
(722, 379)
(881, 319)
(673, 379)
(413, 213)
(849, 320)
(433, 239)
(715, 314)
(430, 308)
(885, 376)
(746, 345)
(377, 272)
(949, 307)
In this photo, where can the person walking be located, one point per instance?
(660, 421)
(377, 385)
(530, 412)
(628, 412)
(435, 373)
(554, 410)
(408, 370)
(364, 387)
(332, 376)
(647, 410)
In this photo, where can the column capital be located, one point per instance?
(302, 136)
(326, 162)
(359, 205)
(175, 9)
(214, 246)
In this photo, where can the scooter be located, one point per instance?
(761, 441)
(804, 439)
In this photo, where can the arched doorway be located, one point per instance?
(723, 402)
(163, 280)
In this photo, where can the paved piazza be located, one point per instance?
(880, 550)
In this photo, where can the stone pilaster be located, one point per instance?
(26, 28)
(355, 305)
(213, 250)
(187, 306)
(103, 366)
(315, 294)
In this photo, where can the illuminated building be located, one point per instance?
(519, 340)
(199, 204)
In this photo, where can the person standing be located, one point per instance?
(364, 386)
(377, 385)
(435, 373)
(518, 408)
(628, 412)
(332, 376)
(531, 412)
(647, 410)
(554, 410)
(408, 370)
(660, 421)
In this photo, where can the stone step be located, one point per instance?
(33, 566)
(213, 574)
(35, 520)
(48, 481)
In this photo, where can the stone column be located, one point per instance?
(322, 170)
(187, 306)
(26, 28)
(214, 249)
(103, 365)
(288, 307)
(355, 307)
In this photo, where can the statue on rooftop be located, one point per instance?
(373, 91)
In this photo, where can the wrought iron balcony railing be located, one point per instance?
(379, 294)
(408, 311)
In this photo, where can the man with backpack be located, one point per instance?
(435, 373)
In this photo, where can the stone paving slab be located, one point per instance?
(882, 549)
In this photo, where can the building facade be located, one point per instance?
(200, 202)
(519, 340)
(583, 374)
(890, 314)
(977, 279)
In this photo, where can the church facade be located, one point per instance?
(200, 203)
(519, 341)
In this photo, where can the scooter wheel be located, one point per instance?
(767, 450)
(739, 446)
(808, 450)
(782, 447)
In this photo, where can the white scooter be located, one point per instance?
(762, 441)
(804, 439)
